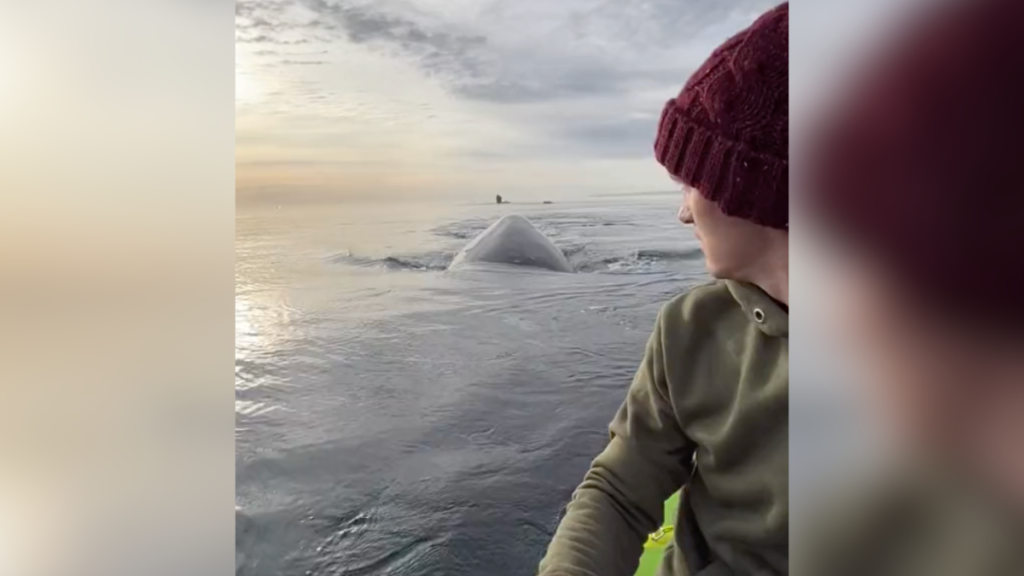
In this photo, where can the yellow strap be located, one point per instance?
(660, 538)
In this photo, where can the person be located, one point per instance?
(712, 388)
(916, 180)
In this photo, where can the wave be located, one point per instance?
(663, 255)
(464, 230)
(423, 262)
(636, 261)
(551, 225)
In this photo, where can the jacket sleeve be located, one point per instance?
(621, 499)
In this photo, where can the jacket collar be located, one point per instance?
(771, 318)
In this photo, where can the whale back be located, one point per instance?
(513, 240)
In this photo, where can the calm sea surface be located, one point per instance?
(395, 418)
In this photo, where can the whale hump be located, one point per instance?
(512, 240)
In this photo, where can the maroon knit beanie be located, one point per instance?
(924, 165)
(727, 133)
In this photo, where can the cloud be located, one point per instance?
(290, 62)
(628, 138)
(467, 61)
(585, 76)
(586, 48)
(270, 39)
(268, 53)
(450, 55)
(269, 22)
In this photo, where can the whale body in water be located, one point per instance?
(512, 240)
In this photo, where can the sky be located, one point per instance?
(405, 99)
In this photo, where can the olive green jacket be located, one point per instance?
(714, 384)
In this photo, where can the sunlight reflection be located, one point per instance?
(261, 328)
(246, 408)
(246, 336)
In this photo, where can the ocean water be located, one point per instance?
(394, 418)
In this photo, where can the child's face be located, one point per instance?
(956, 393)
(733, 247)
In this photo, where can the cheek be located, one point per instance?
(703, 211)
(711, 227)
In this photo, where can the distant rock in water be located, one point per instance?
(547, 202)
(498, 198)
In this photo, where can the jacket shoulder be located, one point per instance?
(704, 305)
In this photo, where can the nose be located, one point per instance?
(685, 210)
(685, 215)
